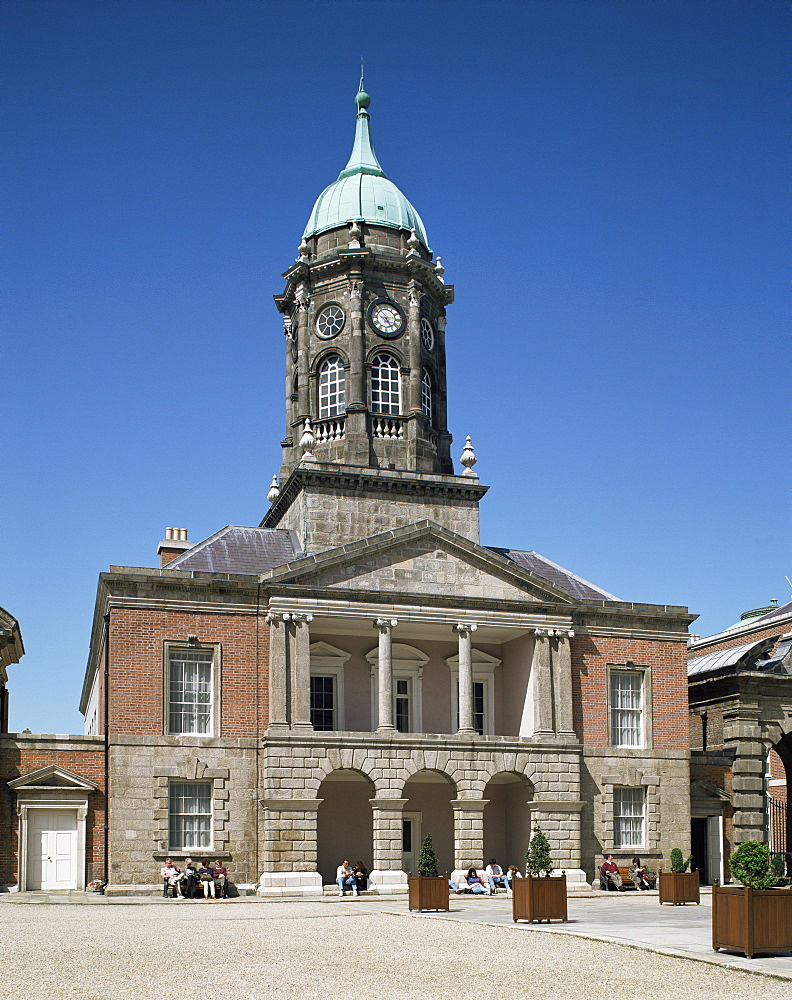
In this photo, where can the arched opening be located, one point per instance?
(428, 810)
(507, 819)
(385, 384)
(344, 826)
(779, 824)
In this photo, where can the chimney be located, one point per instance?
(172, 545)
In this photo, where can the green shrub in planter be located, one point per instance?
(537, 859)
(678, 863)
(427, 862)
(750, 864)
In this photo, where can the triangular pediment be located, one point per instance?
(420, 559)
(53, 776)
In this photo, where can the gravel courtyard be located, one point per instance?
(237, 950)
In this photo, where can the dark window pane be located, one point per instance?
(322, 703)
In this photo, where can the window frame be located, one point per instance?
(184, 847)
(339, 407)
(215, 709)
(427, 395)
(645, 725)
(380, 409)
(620, 815)
(329, 661)
(407, 663)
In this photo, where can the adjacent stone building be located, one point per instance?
(740, 691)
(358, 670)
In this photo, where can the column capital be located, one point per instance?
(385, 624)
(462, 627)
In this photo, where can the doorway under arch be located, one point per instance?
(507, 819)
(344, 824)
(428, 810)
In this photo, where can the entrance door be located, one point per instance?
(698, 847)
(52, 849)
(411, 842)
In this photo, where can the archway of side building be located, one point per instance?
(344, 823)
(428, 809)
(507, 819)
(779, 825)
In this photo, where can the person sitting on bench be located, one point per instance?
(171, 878)
(641, 876)
(611, 872)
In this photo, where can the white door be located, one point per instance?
(411, 842)
(52, 849)
(714, 849)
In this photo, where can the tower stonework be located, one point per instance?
(364, 315)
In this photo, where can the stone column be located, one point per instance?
(542, 685)
(562, 684)
(464, 632)
(743, 731)
(468, 833)
(300, 671)
(385, 674)
(289, 848)
(278, 672)
(387, 829)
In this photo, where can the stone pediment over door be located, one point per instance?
(423, 559)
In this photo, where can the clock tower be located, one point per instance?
(364, 316)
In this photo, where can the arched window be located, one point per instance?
(426, 395)
(332, 387)
(385, 384)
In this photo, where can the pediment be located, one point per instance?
(55, 777)
(700, 788)
(422, 559)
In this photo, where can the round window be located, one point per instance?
(330, 322)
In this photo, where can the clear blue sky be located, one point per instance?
(606, 182)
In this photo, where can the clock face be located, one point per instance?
(427, 334)
(330, 322)
(386, 318)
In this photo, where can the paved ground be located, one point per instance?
(249, 948)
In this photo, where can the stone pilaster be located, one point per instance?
(560, 823)
(278, 670)
(742, 730)
(562, 684)
(468, 832)
(385, 674)
(464, 632)
(387, 869)
(300, 671)
(303, 389)
(542, 685)
(289, 848)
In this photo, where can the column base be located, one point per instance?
(388, 881)
(290, 884)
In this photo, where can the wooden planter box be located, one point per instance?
(539, 898)
(751, 920)
(679, 888)
(427, 892)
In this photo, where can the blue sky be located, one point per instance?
(606, 182)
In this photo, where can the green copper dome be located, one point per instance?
(362, 191)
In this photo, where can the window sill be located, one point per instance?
(199, 852)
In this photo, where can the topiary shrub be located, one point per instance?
(750, 864)
(678, 863)
(537, 858)
(427, 862)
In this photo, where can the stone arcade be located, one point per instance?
(359, 670)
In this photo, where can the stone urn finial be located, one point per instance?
(439, 270)
(355, 234)
(303, 250)
(307, 441)
(413, 243)
(468, 458)
(274, 490)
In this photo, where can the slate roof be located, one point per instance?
(735, 656)
(234, 549)
(574, 585)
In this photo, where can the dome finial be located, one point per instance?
(362, 99)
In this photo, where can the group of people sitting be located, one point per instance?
(494, 877)
(354, 878)
(204, 882)
(639, 874)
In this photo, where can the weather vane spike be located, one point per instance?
(361, 73)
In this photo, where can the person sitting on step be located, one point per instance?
(496, 876)
(345, 879)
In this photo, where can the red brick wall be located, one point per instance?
(714, 731)
(137, 672)
(18, 757)
(668, 660)
(740, 640)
